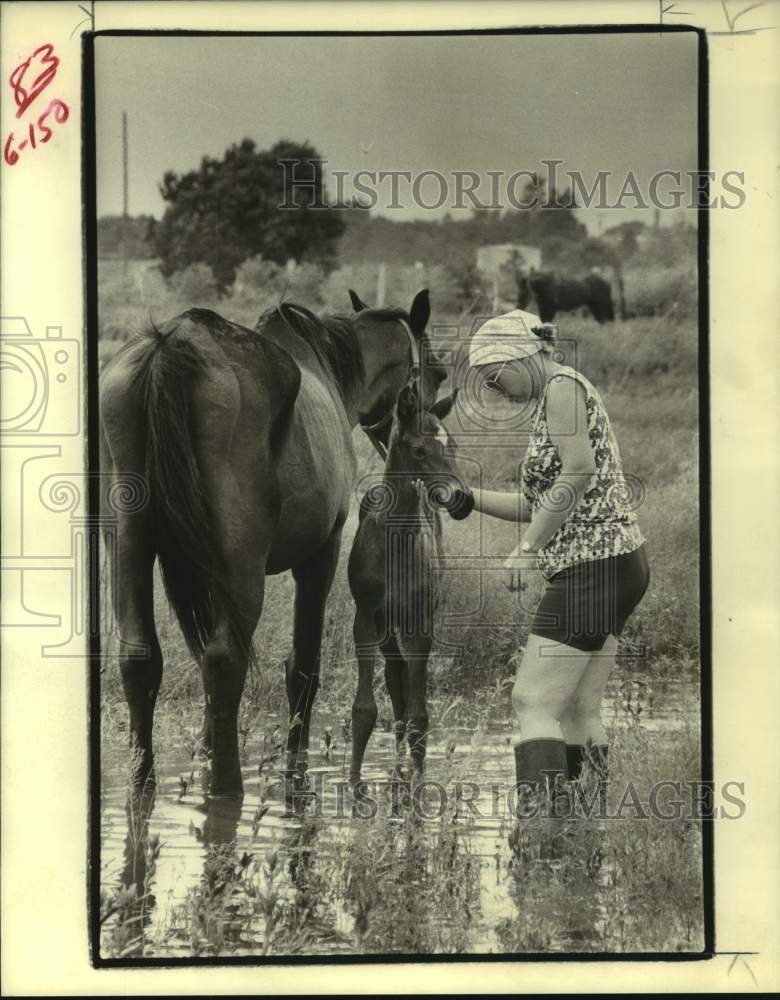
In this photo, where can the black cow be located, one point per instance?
(557, 294)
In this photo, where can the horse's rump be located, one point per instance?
(176, 394)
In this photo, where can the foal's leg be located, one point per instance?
(397, 683)
(364, 710)
(313, 580)
(417, 650)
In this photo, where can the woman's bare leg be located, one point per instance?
(546, 681)
(582, 725)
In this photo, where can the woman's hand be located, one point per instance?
(458, 502)
(513, 581)
(516, 570)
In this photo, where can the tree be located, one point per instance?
(625, 237)
(228, 210)
(548, 222)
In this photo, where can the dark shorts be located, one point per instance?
(585, 603)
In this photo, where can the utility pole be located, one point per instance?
(124, 191)
(124, 164)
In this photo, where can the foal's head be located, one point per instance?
(420, 444)
(422, 449)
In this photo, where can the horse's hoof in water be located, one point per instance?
(223, 814)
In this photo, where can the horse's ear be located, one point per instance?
(357, 304)
(420, 313)
(442, 407)
(408, 403)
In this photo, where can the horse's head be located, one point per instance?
(395, 347)
(421, 448)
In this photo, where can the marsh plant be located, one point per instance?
(411, 887)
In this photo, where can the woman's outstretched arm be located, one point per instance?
(507, 506)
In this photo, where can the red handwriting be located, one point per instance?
(22, 95)
(44, 63)
(57, 108)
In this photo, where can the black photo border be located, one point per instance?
(89, 190)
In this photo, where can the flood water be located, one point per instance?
(174, 918)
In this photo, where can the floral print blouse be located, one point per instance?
(604, 523)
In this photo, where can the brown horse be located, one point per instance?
(394, 572)
(245, 441)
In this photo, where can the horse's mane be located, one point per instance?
(332, 338)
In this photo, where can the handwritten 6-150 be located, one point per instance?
(38, 131)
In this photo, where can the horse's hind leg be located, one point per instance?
(245, 540)
(313, 580)
(224, 665)
(140, 658)
(232, 460)
(132, 557)
(225, 658)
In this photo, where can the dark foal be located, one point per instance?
(394, 572)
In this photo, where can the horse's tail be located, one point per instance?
(185, 532)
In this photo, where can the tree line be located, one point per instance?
(226, 211)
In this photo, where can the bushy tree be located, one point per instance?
(228, 210)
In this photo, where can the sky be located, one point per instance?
(597, 102)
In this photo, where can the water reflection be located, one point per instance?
(291, 869)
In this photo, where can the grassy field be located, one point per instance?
(646, 371)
